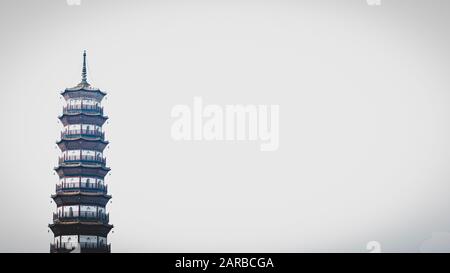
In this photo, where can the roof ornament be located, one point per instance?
(84, 71)
(83, 85)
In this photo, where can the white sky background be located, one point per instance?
(364, 121)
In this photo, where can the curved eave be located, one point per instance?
(83, 114)
(78, 117)
(97, 139)
(81, 169)
(80, 141)
(77, 165)
(74, 198)
(82, 228)
(83, 93)
(81, 193)
(87, 223)
(83, 88)
(77, 222)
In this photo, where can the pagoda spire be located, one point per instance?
(84, 71)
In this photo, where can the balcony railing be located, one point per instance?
(81, 216)
(83, 186)
(85, 247)
(82, 158)
(88, 245)
(82, 133)
(83, 108)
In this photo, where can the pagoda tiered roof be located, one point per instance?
(83, 91)
(81, 228)
(82, 142)
(76, 169)
(87, 118)
(86, 198)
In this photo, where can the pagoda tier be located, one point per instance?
(80, 228)
(55, 248)
(82, 143)
(83, 217)
(81, 222)
(84, 134)
(85, 198)
(78, 169)
(83, 90)
(84, 187)
(83, 118)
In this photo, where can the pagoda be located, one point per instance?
(81, 223)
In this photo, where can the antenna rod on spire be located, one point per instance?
(83, 73)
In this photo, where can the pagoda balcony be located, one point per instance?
(85, 247)
(83, 108)
(87, 216)
(82, 133)
(83, 186)
(82, 159)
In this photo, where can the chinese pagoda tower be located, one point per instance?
(80, 223)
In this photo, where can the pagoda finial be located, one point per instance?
(84, 72)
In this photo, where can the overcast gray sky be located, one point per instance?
(364, 121)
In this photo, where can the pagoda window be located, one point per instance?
(90, 102)
(69, 211)
(91, 182)
(79, 102)
(82, 128)
(70, 182)
(101, 210)
(82, 154)
(88, 241)
(101, 241)
(80, 182)
(69, 241)
(90, 127)
(88, 152)
(73, 101)
(88, 211)
(81, 210)
(73, 129)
